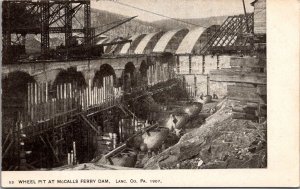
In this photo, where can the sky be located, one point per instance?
(173, 8)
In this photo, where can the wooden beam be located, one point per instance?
(88, 123)
(115, 151)
(7, 137)
(7, 149)
(247, 99)
(238, 77)
(243, 94)
(53, 151)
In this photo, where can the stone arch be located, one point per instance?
(105, 70)
(71, 75)
(129, 76)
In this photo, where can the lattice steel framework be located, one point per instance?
(45, 17)
(45, 12)
(232, 36)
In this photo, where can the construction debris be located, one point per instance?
(221, 142)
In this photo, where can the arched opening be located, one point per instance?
(14, 97)
(129, 77)
(143, 71)
(105, 70)
(69, 76)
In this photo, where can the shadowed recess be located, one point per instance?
(105, 70)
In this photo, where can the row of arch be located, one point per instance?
(178, 41)
(15, 84)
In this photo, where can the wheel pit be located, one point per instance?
(47, 147)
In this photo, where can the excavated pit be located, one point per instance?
(206, 137)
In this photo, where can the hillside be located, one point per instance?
(168, 24)
(135, 26)
(103, 20)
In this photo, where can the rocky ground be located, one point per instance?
(215, 140)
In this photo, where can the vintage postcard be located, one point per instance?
(149, 93)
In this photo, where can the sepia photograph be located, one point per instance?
(117, 85)
(116, 93)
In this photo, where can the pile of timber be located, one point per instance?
(247, 92)
(249, 70)
(249, 111)
(252, 85)
(245, 80)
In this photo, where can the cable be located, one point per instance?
(178, 20)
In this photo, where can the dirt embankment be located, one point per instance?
(220, 142)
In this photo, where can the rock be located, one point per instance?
(200, 162)
(220, 142)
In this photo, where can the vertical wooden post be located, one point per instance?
(61, 97)
(95, 96)
(39, 111)
(92, 96)
(190, 64)
(71, 97)
(46, 100)
(53, 110)
(102, 95)
(107, 90)
(74, 151)
(150, 75)
(178, 65)
(43, 97)
(32, 101)
(110, 89)
(98, 96)
(28, 99)
(80, 98)
(218, 61)
(65, 97)
(89, 93)
(196, 87)
(84, 98)
(203, 64)
(35, 102)
(208, 85)
(57, 91)
(104, 88)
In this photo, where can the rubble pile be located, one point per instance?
(220, 142)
